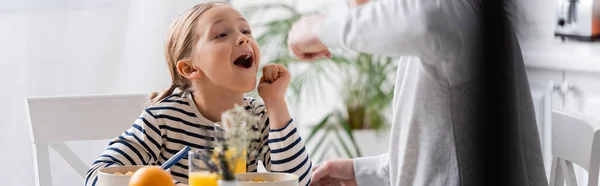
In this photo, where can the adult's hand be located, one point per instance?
(355, 3)
(304, 41)
(333, 173)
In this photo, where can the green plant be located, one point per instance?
(366, 95)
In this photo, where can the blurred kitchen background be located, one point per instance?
(88, 47)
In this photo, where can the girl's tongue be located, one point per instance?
(244, 61)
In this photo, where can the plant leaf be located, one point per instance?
(348, 131)
(343, 143)
(318, 127)
(322, 139)
(324, 151)
(337, 152)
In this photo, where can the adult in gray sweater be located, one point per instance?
(436, 128)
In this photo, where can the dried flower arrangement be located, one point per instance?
(233, 132)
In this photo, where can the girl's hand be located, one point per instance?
(273, 83)
(271, 88)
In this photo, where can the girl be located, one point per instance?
(213, 60)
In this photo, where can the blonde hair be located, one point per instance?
(179, 46)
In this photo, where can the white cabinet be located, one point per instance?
(583, 95)
(562, 75)
(552, 88)
(543, 83)
(584, 92)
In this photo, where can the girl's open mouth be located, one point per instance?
(245, 61)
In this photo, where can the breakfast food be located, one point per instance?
(258, 179)
(151, 176)
(129, 173)
(267, 179)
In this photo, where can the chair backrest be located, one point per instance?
(55, 120)
(575, 139)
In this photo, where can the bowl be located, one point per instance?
(271, 178)
(107, 177)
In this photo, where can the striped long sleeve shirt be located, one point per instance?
(175, 122)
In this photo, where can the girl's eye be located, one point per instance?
(247, 32)
(221, 35)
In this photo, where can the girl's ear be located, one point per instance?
(187, 70)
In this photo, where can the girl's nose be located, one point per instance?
(243, 40)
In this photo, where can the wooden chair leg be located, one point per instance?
(41, 162)
(556, 177)
(593, 176)
(568, 172)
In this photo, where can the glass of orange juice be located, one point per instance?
(235, 153)
(199, 172)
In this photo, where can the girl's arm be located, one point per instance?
(139, 145)
(283, 150)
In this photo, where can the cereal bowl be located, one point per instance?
(266, 179)
(117, 176)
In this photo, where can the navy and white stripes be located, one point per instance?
(166, 127)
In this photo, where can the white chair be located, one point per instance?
(575, 139)
(55, 120)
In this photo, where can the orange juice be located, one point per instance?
(202, 179)
(240, 162)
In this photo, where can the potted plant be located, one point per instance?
(367, 93)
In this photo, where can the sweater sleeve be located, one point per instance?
(372, 170)
(284, 151)
(139, 145)
(424, 28)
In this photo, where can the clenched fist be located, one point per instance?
(303, 38)
(355, 3)
(273, 83)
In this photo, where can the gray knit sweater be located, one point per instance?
(434, 41)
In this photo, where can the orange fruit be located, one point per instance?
(151, 176)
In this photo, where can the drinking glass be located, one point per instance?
(231, 153)
(199, 172)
